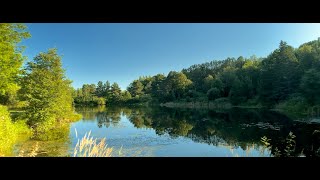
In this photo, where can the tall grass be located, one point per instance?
(90, 147)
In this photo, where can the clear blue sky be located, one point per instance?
(123, 52)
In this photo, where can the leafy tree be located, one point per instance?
(310, 86)
(101, 101)
(208, 82)
(213, 94)
(147, 88)
(47, 91)
(308, 55)
(156, 91)
(227, 77)
(11, 59)
(126, 96)
(176, 84)
(280, 75)
(115, 93)
(100, 90)
(135, 88)
(237, 92)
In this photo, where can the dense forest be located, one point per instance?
(40, 90)
(288, 78)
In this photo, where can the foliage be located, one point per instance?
(213, 94)
(135, 88)
(9, 131)
(11, 59)
(286, 147)
(295, 104)
(285, 76)
(47, 91)
(53, 132)
(101, 101)
(310, 86)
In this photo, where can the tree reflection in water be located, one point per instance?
(232, 128)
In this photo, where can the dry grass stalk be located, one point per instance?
(89, 147)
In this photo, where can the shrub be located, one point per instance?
(294, 104)
(222, 103)
(213, 94)
(9, 131)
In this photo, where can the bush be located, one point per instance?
(101, 101)
(213, 94)
(294, 104)
(194, 94)
(53, 132)
(43, 127)
(222, 103)
(253, 101)
(9, 131)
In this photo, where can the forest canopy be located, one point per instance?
(287, 78)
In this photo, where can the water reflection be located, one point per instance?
(54, 143)
(232, 129)
(182, 132)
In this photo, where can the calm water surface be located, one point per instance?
(178, 132)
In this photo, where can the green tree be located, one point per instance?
(107, 90)
(308, 55)
(227, 77)
(237, 92)
(280, 75)
(115, 93)
(135, 88)
(208, 82)
(310, 86)
(100, 90)
(88, 93)
(156, 91)
(47, 91)
(176, 84)
(125, 96)
(101, 101)
(213, 94)
(11, 58)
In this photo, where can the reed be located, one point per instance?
(87, 146)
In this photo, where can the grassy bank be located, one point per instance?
(10, 131)
(14, 129)
(220, 103)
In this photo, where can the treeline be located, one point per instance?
(100, 94)
(287, 78)
(39, 89)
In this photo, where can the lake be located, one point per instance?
(168, 132)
